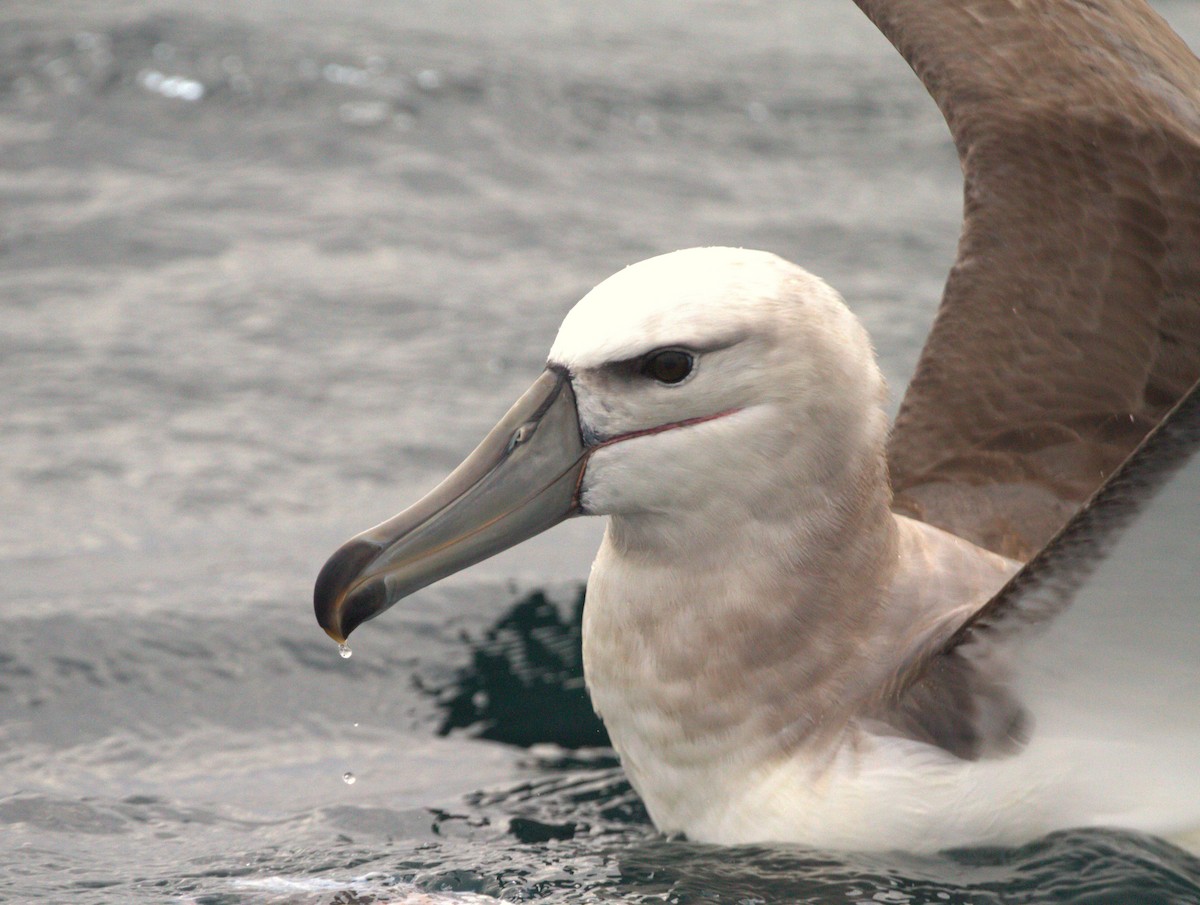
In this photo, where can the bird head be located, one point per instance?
(681, 394)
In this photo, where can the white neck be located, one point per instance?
(683, 590)
(753, 639)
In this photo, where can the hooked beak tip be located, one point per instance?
(338, 611)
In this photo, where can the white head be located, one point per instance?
(689, 397)
(776, 356)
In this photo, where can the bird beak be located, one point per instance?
(522, 479)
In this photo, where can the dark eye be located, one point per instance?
(667, 366)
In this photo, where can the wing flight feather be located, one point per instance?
(1070, 321)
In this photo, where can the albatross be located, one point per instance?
(805, 625)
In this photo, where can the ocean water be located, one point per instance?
(268, 270)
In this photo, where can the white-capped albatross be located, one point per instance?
(801, 627)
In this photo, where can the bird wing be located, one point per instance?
(1070, 321)
(1091, 652)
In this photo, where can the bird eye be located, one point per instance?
(668, 365)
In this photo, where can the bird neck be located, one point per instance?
(809, 507)
(793, 584)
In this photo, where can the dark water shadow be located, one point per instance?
(524, 684)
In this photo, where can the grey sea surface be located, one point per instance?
(268, 270)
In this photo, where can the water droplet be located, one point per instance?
(349, 778)
(344, 650)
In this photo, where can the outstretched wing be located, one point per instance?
(1090, 654)
(1043, 588)
(1070, 321)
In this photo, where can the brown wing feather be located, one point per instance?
(958, 693)
(1070, 321)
